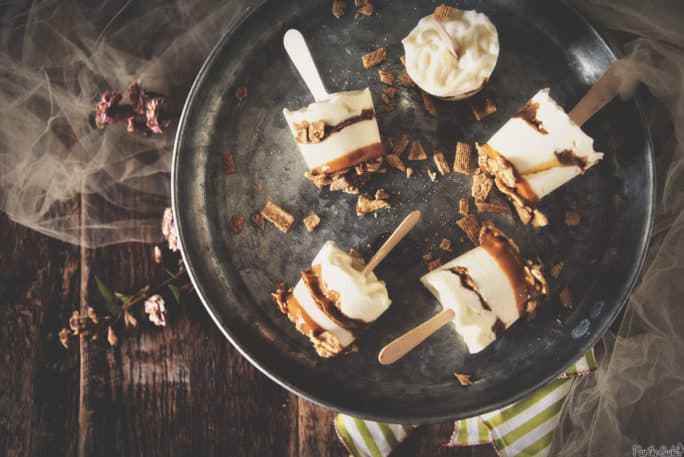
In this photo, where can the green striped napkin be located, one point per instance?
(523, 429)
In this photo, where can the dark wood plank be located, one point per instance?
(39, 378)
(179, 390)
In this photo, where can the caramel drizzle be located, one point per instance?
(467, 282)
(498, 327)
(328, 300)
(523, 187)
(568, 158)
(506, 255)
(366, 115)
(355, 157)
(288, 304)
(528, 113)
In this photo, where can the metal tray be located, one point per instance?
(543, 44)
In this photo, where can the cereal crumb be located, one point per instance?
(427, 256)
(381, 194)
(445, 245)
(463, 206)
(241, 93)
(366, 10)
(487, 207)
(572, 218)
(395, 162)
(339, 7)
(482, 105)
(556, 269)
(566, 299)
(409, 172)
(228, 163)
(405, 80)
(417, 152)
(429, 104)
(311, 222)
(277, 216)
(387, 76)
(464, 379)
(399, 145)
(441, 162)
(482, 185)
(237, 222)
(259, 221)
(434, 264)
(374, 58)
(463, 161)
(442, 13)
(432, 174)
(471, 227)
(365, 205)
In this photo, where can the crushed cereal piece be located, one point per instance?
(395, 161)
(464, 379)
(320, 181)
(471, 227)
(441, 162)
(366, 10)
(343, 183)
(259, 221)
(482, 105)
(487, 207)
(381, 194)
(409, 172)
(399, 145)
(405, 80)
(238, 222)
(339, 7)
(241, 92)
(427, 256)
(277, 216)
(572, 218)
(463, 161)
(402, 59)
(390, 92)
(556, 269)
(228, 163)
(374, 58)
(388, 107)
(566, 299)
(445, 245)
(311, 222)
(387, 76)
(417, 152)
(302, 135)
(463, 206)
(482, 185)
(429, 104)
(442, 13)
(432, 174)
(316, 131)
(434, 264)
(365, 205)
(359, 3)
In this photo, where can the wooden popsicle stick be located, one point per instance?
(299, 53)
(599, 95)
(447, 39)
(399, 233)
(404, 344)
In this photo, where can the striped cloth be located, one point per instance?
(523, 429)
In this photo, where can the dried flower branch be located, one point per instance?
(145, 113)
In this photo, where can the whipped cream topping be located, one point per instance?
(436, 70)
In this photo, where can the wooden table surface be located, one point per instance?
(179, 390)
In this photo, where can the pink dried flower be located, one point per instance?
(145, 112)
(109, 110)
(64, 337)
(155, 307)
(168, 227)
(74, 322)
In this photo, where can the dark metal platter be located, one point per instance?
(543, 44)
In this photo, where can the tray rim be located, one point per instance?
(643, 246)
